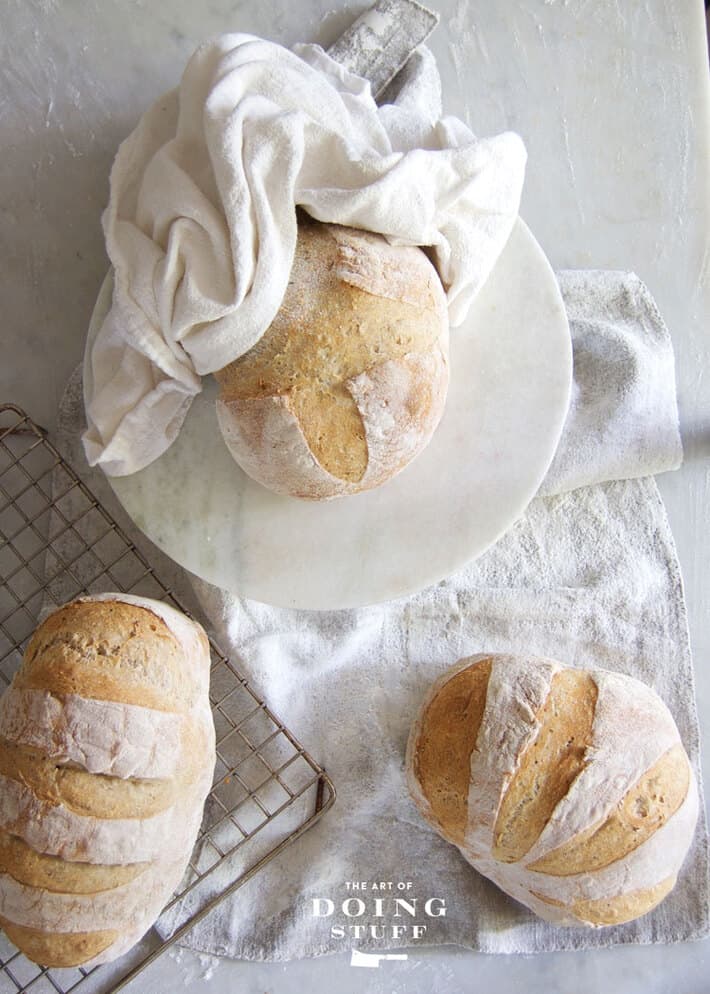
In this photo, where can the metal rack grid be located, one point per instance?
(56, 542)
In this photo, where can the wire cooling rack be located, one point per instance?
(56, 542)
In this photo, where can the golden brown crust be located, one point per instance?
(58, 949)
(546, 763)
(549, 765)
(333, 428)
(111, 651)
(642, 811)
(625, 907)
(59, 875)
(616, 910)
(330, 329)
(130, 653)
(86, 794)
(447, 737)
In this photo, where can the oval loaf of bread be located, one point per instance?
(568, 788)
(107, 751)
(348, 383)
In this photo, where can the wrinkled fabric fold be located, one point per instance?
(201, 223)
(622, 421)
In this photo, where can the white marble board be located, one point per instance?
(510, 383)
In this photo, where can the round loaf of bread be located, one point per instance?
(570, 789)
(349, 382)
(107, 750)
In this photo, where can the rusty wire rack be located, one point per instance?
(57, 542)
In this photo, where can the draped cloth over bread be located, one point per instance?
(201, 223)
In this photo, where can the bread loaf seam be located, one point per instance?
(565, 861)
(80, 792)
(109, 737)
(58, 912)
(517, 689)
(602, 784)
(27, 866)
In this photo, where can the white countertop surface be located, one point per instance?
(612, 99)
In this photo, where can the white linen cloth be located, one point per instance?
(201, 222)
(623, 415)
(589, 576)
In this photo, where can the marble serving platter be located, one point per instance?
(511, 371)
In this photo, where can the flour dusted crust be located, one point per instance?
(256, 428)
(121, 740)
(101, 795)
(349, 383)
(570, 789)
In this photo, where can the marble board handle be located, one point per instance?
(380, 41)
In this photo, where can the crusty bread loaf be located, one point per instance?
(348, 383)
(568, 788)
(107, 750)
